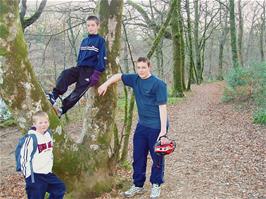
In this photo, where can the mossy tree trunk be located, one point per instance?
(99, 126)
(262, 31)
(222, 40)
(196, 42)
(177, 52)
(182, 47)
(21, 90)
(190, 47)
(240, 32)
(233, 34)
(129, 104)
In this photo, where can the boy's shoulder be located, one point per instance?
(32, 131)
(96, 36)
(157, 79)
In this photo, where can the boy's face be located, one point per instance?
(92, 27)
(41, 124)
(143, 70)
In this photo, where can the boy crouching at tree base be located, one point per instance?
(151, 98)
(40, 166)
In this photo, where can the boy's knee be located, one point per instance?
(66, 72)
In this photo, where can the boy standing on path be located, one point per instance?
(42, 162)
(90, 65)
(151, 98)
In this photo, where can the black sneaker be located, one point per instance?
(51, 98)
(59, 112)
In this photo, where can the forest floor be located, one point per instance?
(220, 152)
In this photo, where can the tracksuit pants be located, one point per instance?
(45, 183)
(80, 76)
(143, 142)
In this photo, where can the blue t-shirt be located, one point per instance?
(149, 94)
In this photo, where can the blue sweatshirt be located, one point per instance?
(92, 53)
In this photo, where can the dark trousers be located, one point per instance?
(143, 143)
(78, 75)
(45, 183)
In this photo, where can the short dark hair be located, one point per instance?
(145, 60)
(93, 18)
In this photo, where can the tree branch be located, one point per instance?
(27, 22)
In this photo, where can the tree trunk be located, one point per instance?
(233, 34)
(240, 33)
(177, 52)
(222, 41)
(182, 47)
(250, 34)
(128, 117)
(99, 125)
(196, 42)
(190, 48)
(262, 30)
(22, 92)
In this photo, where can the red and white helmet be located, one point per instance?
(164, 149)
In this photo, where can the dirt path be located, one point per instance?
(221, 154)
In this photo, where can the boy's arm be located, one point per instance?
(26, 156)
(163, 119)
(100, 67)
(103, 88)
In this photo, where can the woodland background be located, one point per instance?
(189, 43)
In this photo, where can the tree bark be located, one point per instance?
(25, 22)
(250, 34)
(233, 34)
(177, 52)
(222, 41)
(240, 33)
(20, 88)
(262, 31)
(196, 41)
(190, 47)
(99, 125)
(23, 94)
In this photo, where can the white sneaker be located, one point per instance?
(133, 191)
(155, 191)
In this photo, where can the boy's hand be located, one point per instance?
(164, 139)
(102, 89)
(95, 77)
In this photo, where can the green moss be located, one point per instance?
(3, 52)
(3, 32)
(92, 186)
(7, 123)
(3, 10)
(21, 48)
